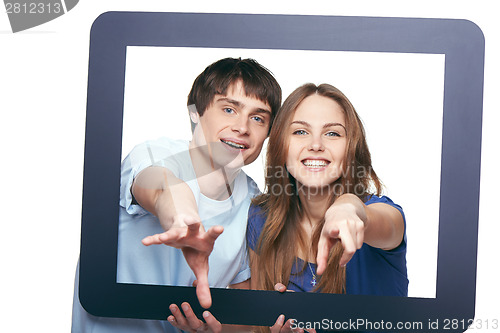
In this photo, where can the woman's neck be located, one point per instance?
(314, 205)
(314, 208)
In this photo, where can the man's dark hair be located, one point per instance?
(257, 80)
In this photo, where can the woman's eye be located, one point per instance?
(332, 134)
(299, 132)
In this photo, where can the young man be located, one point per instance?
(187, 195)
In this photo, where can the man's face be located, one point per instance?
(233, 128)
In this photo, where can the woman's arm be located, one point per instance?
(353, 223)
(384, 227)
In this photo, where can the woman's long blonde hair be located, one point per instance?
(282, 238)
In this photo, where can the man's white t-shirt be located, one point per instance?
(165, 265)
(161, 264)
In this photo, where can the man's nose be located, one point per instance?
(240, 125)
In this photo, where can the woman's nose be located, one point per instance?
(316, 144)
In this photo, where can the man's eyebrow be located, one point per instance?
(230, 101)
(259, 110)
(240, 104)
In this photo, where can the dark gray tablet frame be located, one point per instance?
(461, 41)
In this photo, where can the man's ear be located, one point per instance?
(195, 117)
(193, 114)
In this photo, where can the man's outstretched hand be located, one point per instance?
(189, 235)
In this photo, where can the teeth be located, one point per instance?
(315, 163)
(234, 145)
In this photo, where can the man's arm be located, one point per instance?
(170, 199)
(189, 322)
(164, 195)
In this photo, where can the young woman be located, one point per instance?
(322, 225)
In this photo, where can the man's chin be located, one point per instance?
(228, 162)
(234, 165)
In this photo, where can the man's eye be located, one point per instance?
(228, 110)
(299, 132)
(259, 119)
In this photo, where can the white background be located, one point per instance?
(43, 83)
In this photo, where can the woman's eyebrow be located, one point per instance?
(305, 123)
(334, 124)
(301, 122)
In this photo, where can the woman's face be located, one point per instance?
(317, 142)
